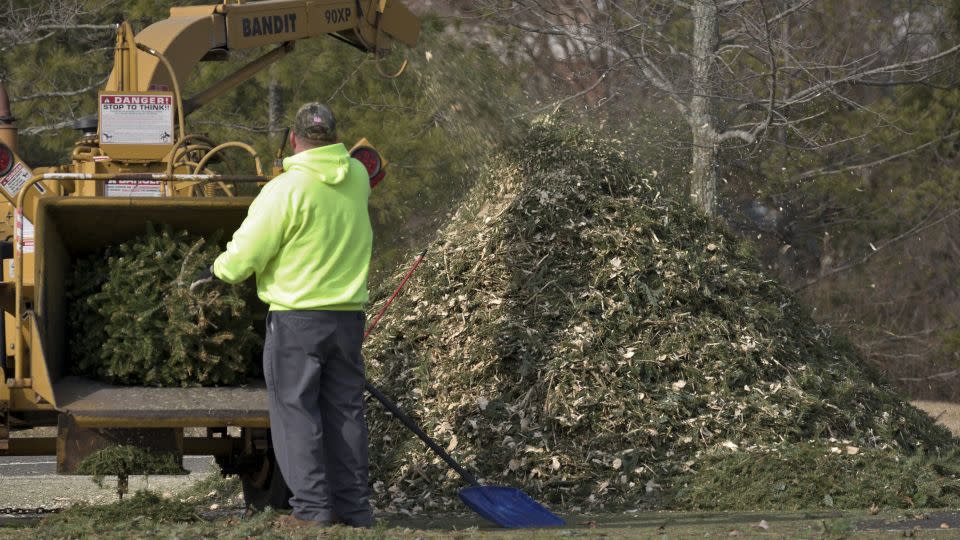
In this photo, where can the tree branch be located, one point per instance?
(34, 130)
(920, 227)
(823, 171)
(66, 93)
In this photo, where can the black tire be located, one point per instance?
(266, 487)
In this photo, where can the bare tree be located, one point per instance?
(26, 23)
(742, 72)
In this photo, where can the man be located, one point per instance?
(307, 237)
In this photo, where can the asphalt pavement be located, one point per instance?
(30, 482)
(47, 465)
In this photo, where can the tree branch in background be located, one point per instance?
(874, 249)
(36, 130)
(824, 171)
(240, 127)
(67, 93)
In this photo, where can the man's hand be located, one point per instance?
(205, 277)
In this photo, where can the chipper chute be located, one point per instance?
(506, 506)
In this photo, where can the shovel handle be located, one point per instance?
(412, 426)
(392, 407)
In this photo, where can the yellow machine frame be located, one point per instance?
(155, 62)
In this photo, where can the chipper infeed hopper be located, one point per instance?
(92, 414)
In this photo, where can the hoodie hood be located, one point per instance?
(329, 164)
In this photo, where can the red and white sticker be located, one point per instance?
(133, 188)
(13, 181)
(23, 228)
(136, 119)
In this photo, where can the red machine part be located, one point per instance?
(6, 160)
(372, 161)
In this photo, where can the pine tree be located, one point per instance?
(139, 323)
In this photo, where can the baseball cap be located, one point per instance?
(315, 123)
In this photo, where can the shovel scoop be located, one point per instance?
(508, 507)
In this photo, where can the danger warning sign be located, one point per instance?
(133, 188)
(13, 181)
(136, 119)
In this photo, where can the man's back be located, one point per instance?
(307, 236)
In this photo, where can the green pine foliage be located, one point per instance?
(133, 319)
(125, 460)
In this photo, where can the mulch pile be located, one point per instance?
(577, 334)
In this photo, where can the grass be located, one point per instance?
(209, 509)
(623, 526)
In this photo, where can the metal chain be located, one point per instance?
(28, 511)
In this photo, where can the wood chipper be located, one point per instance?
(137, 162)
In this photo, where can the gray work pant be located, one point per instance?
(315, 383)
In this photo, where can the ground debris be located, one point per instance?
(589, 340)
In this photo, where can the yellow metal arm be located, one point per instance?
(193, 34)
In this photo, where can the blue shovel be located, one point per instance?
(506, 506)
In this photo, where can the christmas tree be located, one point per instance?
(133, 319)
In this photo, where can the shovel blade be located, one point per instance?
(508, 507)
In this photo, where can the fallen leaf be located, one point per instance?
(453, 443)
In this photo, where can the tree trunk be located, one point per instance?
(703, 182)
(274, 106)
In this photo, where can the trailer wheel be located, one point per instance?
(265, 487)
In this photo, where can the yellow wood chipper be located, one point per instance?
(136, 163)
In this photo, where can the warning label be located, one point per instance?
(133, 188)
(13, 181)
(136, 118)
(23, 228)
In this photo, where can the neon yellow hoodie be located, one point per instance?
(307, 235)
